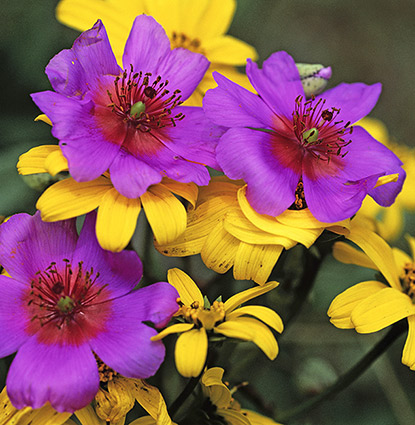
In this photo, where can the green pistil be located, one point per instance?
(310, 136)
(66, 304)
(137, 109)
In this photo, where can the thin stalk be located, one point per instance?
(346, 379)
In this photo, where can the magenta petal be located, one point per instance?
(332, 199)
(121, 271)
(146, 45)
(13, 318)
(355, 100)
(278, 82)
(184, 70)
(65, 376)
(231, 105)
(248, 154)
(195, 137)
(131, 176)
(386, 194)
(27, 244)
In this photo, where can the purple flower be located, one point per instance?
(129, 121)
(279, 142)
(66, 300)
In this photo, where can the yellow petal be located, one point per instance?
(386, 179)
(177, 328)
(215, 389)
(152, 401)
(341, 307)
(216, 18)
(249, 329)
(244, 296)
(165, 214)
(56, 162)
(145, 420)
(255, 262)
(257, 419)
(265, 314)
(186, 287)
(381, 310)
(68, 198)
(188, 191)
(190, 352)
(44, 118)
(411, 242)
(347, 254)
(233, 417)
(408, 354)
(392, 222)
(33, 161)
(401, 259)
(116, 220)
(378, 251)
(228, 50)
(219, 250)
(87, 416)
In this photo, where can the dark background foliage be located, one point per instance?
(368, 41)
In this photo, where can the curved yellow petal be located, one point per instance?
(116, 220)
(265, 314)
(44, 118)
(216, 18)
(188, 191)
(401, 259)
(249, 329)
(165, 214)
(347, 254)
(144, 420)
(215, 389)
(411, 242)
(173, 329)
(56, 162)
(408, 354)
(219, 249)
(228, 50)
(87, 416)
(393, 222)
(190, 352)
(341, 307)
(233, 417)
(378, 251)
(218, 187)
(68, 198)
(255, 261)
(33, 161)
(381, 309)
(152, 401)
(244, 296)
(186, 287)
(257, 419)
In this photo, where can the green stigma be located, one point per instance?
(66, 304)
(137, 109)
(310, 136)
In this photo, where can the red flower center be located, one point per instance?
(65, 304)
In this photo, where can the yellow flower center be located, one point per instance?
(105, 372)
(182, 40)
(203, 317)
(408, 280)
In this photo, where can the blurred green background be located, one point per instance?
(368, 41)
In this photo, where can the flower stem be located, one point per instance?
(188, 389)
(349, 377)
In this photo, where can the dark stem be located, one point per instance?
(349, 377)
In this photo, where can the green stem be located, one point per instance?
(346, 379)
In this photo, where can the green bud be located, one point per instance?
(66, 304)
(314, 77)
(310, 136)
(137, 109)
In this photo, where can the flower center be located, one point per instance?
(317, 130)
(59, 295)
(408, 280)
(300, 202)
(201, 316)
(144, 104)
(182, 40)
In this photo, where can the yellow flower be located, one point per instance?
(202, 320)
(117, 215)
(389, 222)
(199, 26)
(372, 305)
(226, 407)
(228, 232)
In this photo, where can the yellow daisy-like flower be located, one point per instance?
(389, 222)
(117, 215)
(202, 320)
(199, 26)
(228, 232)
(226, 407)
(372, 305)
